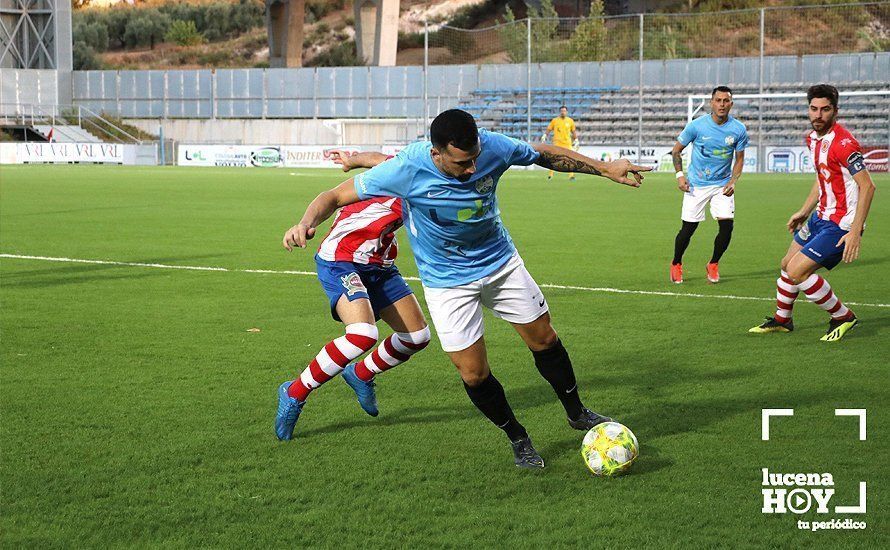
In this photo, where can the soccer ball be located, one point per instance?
(609, 449)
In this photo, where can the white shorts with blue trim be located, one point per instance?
(695, 200)
(510, 293)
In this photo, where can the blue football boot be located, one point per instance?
(364, 391)
(288, 412)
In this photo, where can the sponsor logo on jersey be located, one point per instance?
(353, 283)
(484, 185)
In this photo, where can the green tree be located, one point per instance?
(92, 33)
(513, 37)
(545, 26)
(145, 28)
(184, 33)
(116, 20)
(84, 57)
(588, 42)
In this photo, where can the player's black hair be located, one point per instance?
(561, 107)
(721, 89)
(826, 91)
(454, 127)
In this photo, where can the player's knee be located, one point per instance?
(418, 339)
(544, 340)
(362, 335)
(475, 378)
(797, 274)
(725, 226)
(473, 371)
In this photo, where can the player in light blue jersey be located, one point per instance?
(711, 177)
(466, 258)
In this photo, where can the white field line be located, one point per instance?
(606, 290)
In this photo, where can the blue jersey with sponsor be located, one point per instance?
(712, 149)
(455, 227)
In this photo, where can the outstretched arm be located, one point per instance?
(318, 211)
(356, 160)
(566, 160)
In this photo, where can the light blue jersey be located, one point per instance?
(712, 149)
(455, 227)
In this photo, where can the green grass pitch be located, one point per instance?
(137, 409)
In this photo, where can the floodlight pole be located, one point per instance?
(426, 64)
(528, 78)
(640, 107)
(760, 91)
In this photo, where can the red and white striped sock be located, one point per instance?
(394, 351)
(819, 292)
(333, 358)
(786, 293)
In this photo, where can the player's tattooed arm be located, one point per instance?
(559, 159)
(677, 156)
(319, 210)
(566, 160)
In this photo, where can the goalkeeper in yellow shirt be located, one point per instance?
(564, 134)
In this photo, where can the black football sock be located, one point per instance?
(721, 241)
(489, 397)
(682, 240)
(556, 367)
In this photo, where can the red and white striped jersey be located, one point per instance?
(364, 233)
(836, 156)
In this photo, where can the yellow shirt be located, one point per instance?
(562, 129)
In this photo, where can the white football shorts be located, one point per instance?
(510, 293)
(696, 198)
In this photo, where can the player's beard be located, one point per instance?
(822, 126)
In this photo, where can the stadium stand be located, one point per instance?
(66, 133)
(609, 115)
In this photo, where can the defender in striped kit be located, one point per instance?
(355, 265)
(841, 197)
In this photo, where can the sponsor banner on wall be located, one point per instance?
(111, 153)
(792, 160)
(876, 159)
(242, 156)
(273, 156)
(314, 156)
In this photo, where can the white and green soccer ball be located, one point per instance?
(609, 449)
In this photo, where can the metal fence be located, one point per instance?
(851, 27)
(393, 92)
(770, 49)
